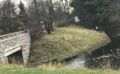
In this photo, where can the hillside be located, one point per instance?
(66, 41)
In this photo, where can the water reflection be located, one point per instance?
(109, 61)
(78, 62)
(105, 57)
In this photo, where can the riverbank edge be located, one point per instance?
(109, 41)
(69, 57)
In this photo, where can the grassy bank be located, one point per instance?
(66, 41)
(12, 69)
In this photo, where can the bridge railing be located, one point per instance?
(2, 37)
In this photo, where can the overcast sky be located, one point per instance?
(18, 1)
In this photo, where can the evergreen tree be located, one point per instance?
(90, 11)
(21, 7)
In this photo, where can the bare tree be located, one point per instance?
(62, 12)
(7, 12)
(65, 5)
(43, 12)
(47, 11)
(37, 12)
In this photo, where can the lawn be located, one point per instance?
(15, 69)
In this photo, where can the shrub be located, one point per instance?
(19, 28)
(1, 32)
(19, 25)
(54, 27)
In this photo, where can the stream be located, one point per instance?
(105, 57)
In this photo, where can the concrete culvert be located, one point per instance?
(15, 58)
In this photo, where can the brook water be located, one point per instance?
(105, 57)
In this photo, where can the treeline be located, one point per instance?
(37, 15)
(47, 12)
(97, 12)
(9, 20)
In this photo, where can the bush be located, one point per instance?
(1, 32)
(19, 25)
(62, 23)
(19, 28)
(54, 26)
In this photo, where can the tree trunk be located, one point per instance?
(3, 26)
(49, 32)
(51, 27)
(37, 12)
(48, 29)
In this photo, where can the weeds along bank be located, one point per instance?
(15, 69)
(66, 41)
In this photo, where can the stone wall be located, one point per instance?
(8, 41)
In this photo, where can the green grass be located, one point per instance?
(15, 69)
(66, 41)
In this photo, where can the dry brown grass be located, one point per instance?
(66, 41)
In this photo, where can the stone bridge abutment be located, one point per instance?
(11, 43)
